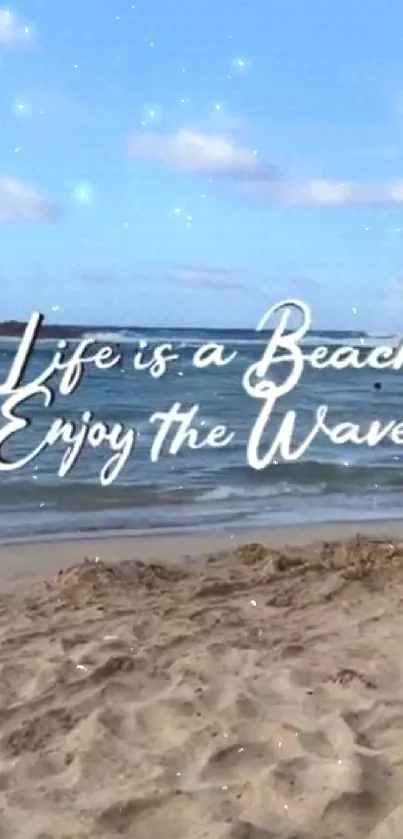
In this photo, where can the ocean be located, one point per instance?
(205, 489)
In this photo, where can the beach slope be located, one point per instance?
(251, 694)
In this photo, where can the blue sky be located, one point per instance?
(190, 163)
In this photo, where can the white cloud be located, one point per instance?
(211, 277)
(19, 202)
(200, 273)
(214, 278)
(192, 151)
(396, 192)
(195, 152)
(323, 193)
(13, 30)
(316, 192)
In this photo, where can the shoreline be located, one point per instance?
(219, 532)
(25, 562)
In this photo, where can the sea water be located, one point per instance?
(205, 488)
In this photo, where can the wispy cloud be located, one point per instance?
(323, 193)
(192, 151)
(19, 202)
(210, 277)
(186, 277)
(197, 152)
(13, 30)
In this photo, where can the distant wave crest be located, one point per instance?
(121, 336)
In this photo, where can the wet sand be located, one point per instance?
(24, 562)
(203, 688)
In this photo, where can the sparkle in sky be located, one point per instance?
(203, 159)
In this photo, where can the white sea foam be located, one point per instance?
(129, 336)
(224, 492)
(122, 336)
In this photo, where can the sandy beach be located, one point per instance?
(203, 689)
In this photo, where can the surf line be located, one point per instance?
(259, 387)
(72, 363)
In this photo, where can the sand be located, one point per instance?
(253, 693)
